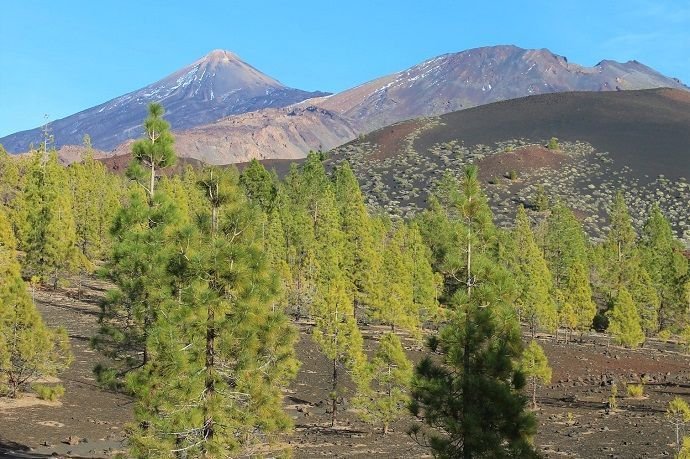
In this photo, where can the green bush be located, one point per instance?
(553, 144)
(50, 393)
(635, 390)
(664, 335)
(513, 175)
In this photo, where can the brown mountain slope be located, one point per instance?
(480, 76)
(287, 133)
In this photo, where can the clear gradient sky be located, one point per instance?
(60, 57)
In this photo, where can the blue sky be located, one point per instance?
(60, 57)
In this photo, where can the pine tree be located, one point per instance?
(564, 244)
(303, 189)
(50, 240)
(541, 202)
(386, 383)
(275, 246)
(141, 232)
(624, 321)
(28, 348)
(362, 262)
(678, 414)
(10, 178)
(578, 293)
(535, 365)
(220, 354)
(424, 281)
(473, 395)
(259, 185)
(567, 318)
(7, 239)
(619, 255)
(620, 264)
(335, 329)
(663, 259)
(398, 309)
(534, 302)
(92, 217)
(154, 151)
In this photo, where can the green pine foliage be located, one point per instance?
(624, 321)
(620, 264)
(666, 265)
(218, 348)
(29, 349)
(567, 317)
(154, 151)
(564, 244)
(385, 385)
(362, 262)
(541, 202)
(578, 293)
(536, 367)
(425, 283)
(49, 237)
(399, 308)
(142, 246)
(534, 303)
(88, 179)
(471, 396)
(335, 329)
(259, 185)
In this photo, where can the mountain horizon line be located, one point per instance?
(220, 84)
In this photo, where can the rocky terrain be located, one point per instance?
(285, 133)
(573, 417)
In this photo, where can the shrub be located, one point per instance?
(513, 175)
(635, 390)
(613, 401)
(50, 393)
(664, 335)
(553, 144)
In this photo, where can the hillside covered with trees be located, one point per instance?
(211, 270)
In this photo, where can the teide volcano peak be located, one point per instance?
(215, 86)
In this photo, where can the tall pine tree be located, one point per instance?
(29, 349)
(473, 394)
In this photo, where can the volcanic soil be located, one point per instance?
(573, 417)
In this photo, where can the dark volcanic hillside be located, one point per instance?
(215, 86)
(648, 131)
(480, 76)
(637, 142)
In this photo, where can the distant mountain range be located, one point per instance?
(215, 86)
(268, 120)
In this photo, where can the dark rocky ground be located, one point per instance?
(572, 418)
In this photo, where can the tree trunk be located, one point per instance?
(153, 180)
(335, 393)
(534, 392)
(210, 385)
(466, 396)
